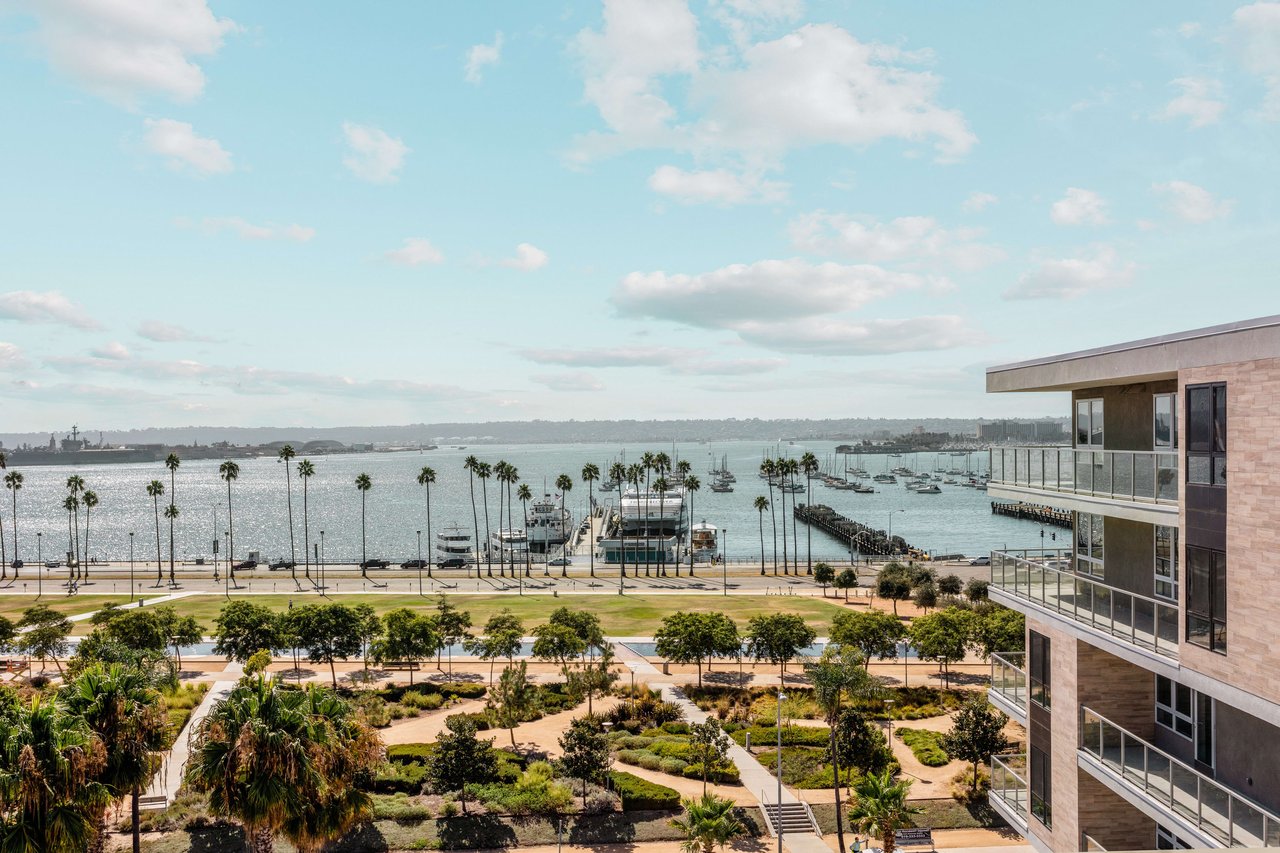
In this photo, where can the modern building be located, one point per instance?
(1042, 431)
(1150, 688)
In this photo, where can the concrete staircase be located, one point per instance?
(791, 818)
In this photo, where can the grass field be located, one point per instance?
(11, 606)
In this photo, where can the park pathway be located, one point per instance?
(168, 779)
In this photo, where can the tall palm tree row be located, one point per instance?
(172, 462)
(470, 464)
(306, 470)
(285, 455)
(363, 484)
(564, 483)
(155, 489)
(229, 472)
(13, 482)
(426, 477)
(590, 473)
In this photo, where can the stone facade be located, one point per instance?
(1111, 821)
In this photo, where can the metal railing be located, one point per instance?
(1127, 475)
(1090, 844)
(1214, 809)
(1009, 679)
(1044, 577)
(1009, 785)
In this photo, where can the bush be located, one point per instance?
(374, 710)
(410, 753)
(642, 795)
(963, 789)
(400, 778)
(725, 776)
(791, 736)
(462, 690)
(925, 745)
(481, 720)
(398, 807)
(674, 766)
(429, 702)
(676, 728)
(448, 809)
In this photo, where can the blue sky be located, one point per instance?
(297, 213)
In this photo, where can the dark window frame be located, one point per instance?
(1206, 450)
(1206, 607)
(1039, 650)
(1040, 787)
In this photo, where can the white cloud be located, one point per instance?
(841, 336)
(113, 350)
(1079, 207)
(744, 18)
(11, 357)
(1068, 278)
(573, 382)
(249, 231)
(1199, 101)
(978, 201)
(372, 155)
(716, 186)
(122, 50)
(167, 333)
(415, 252)
(528, 257)
(684, 361)
(1256, 31)
(1191, 203)
(1189, 29)
(908, 238)
(183, 148)
(47, 307)
(481, 55)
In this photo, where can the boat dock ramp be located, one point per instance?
(1033, 512)
(854, 535)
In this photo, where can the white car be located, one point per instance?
(560, 561)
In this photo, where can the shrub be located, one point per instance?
(728, 775)
(410, 753)
(791, 736)
(642, 795)
(462, 690)
(398, 807)
(448, 809)
(674, 766)
(963, 788)
(400, 778)
(374, 710)
(481, 720)
(925, 745)
(676, 728)
(416, 700)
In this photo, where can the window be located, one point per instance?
(1041, 786)
(1166, 562)
(1204, 729)
(1089, 423)
(1175, 707)
(1207, 598)
(1207, 434)
(1166, 840)
(1089, 544)
(1165, 426)
(1038, 669)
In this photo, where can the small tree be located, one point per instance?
(461, 759)
(977, 733)
(329, 632)
(880, 808)
(823, 574)
(406, 636)
(243, 628)
(943, 637)
(708, 822)
(451, 625)
(558, 643)
(501, 637)
(513, 697)
(45, 633)
(861, 744)
(894, 584)
(926, 597)
(695, 637)
(950, 585)
(709, 746)
(585, 753)
(873, 632)
(976, 590)
(596, 678)
(999, 630)
(777, 638)
(846, 580)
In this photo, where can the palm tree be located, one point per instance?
(306, 470)
(618, 473)
(4, 556)
(769, 468)
(13, 482)
(172, 462)
(761, 504)
(364, 484)
(285, 455)
(426, 477)
(155, 489)
(590, 473)
(524, 495)
(499, 473)
(230, 471)
(645, 466)
(75, 485)
(71, 505)
(511, 477)
(171, 513)
(793, 469)
(881, 807)
(810, 464)
(563, 484)
(126, 713)
(634, 473)
(708, 822)
(660, 486)
(691, 484)
(90, 501)
(471, 463)
(483, 471)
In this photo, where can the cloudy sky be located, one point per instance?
(330, 213)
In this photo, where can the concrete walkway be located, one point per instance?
(168, 778)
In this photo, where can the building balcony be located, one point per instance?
(1120, 475)
(1171, 792)
(1009, 792)
(1042, 578)
(1009, 684)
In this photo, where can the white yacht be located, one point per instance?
(704, 541)
(651, 524)
(510, 545)
(549, 525)
(453, 546)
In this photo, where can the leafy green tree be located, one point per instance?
(595, 678)
(824, 575)
(501, 637)
(893, 583)
(708, 822)
(242, 628)
(861, 744)
(846, 580)
(258, 662)
(926, 597)
(709, 747)
(461, 759)
(452, 624)
(328, 632)
(976, 590)
(977, 733)
(8, 634)
(999, 630)
(873, 632)
(881, 807)
(585, 753)
(950, 585)
(44, 634)
(180, 631)
(777, 638)
(584, 623)
(406, 636)
(943, 637)
(558, 643)
(686, 637)
(513, 698)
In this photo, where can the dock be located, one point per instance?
(1033, 512)
(855, 535)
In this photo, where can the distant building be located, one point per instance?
(1006, 430)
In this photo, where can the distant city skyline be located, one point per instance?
(326, 214)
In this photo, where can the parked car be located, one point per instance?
(245, 565)
(375, 564)
(16, 564)
(415, 564)
(282, 564)
(560, 561)
(980, 561)
(53, 564)
(452, 563)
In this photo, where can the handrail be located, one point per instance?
(1145, 476)
(1015, 796)
(1138, 619)
(1210, 806)
(1008, 678)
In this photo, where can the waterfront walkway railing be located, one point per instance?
(1043, 577)
(1009, 786)
(1009, 678)
(1211, 807)
(1127, 475)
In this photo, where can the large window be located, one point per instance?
(1166, 840)
(1207, 434)
(1041, 786)
(1207, 598)
(1038, 669)
(1166, 567)
(1089, 423)
(1188, 713)
(1089, 544)
(1165, 425)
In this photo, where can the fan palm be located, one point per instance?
(793, 469)
(769, 469)
(483, 471)
(75, 485)
(230, 472)
(810, 464)
(590, 473)
(881, 807)
(13, 482)
(155, 489)
(172, 462)
(171, 513)
(618, 473)
(90, 499)
(563, 484)
(708, 822)
(761, 504)
(306, 470)
(363, 484)
(4, 556)
(661, 486)
(511, 477)
(499, 473)
(426, 477)
(71, 505)
(470, 464)
(285, 455)
(634, 473)
(691, 484)
(524, 495)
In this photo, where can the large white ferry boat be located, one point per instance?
(510, 545)
(549, 525)
(704, 541)
(453, 547)
(650, 525)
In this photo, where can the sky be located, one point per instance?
(324, 213)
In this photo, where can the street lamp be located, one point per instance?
(226, 576)
(724, 561)
(778, 811)
(39, 565)
(131, 587)
(889, 718)
(322, 583)
(891, 525)
(419, 562)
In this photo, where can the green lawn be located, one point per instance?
(11, 606)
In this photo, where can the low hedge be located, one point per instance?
(925, 745)
(410, 753)
(791, 736)
(400, 778)
(642, 795)
(725, 776)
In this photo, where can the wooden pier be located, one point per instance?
(855, 536)
(1033, 512)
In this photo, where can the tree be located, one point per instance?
(861, 743)
(761, 503)
(406, 636)
(75, 487)
(172, 462)
(44, 633)
(90, 499)
(155, 489)
(452, 625)
(510, 477)
(692, 485)
(694, 637)
(874, 633)
(127, 715)
(513, 697)
(306, 470)
(824, 575)
(230, 472)
(363, 484)
(471, 464)
(709, 748)
(242, 628)
(881, 807)
(777, 638)
(846, 580)
(179, 631)
(426, 477)
(926, 597)
(809, 464)
(558, 643)
(524, 495)
(4, 556)
(13, 482)
(460, 759)
(501, 637)
(708, 822)
(329, 632)
(976, 590)
(977, 733)
(285, 455)
(999, 630)
(596, 677)
(584, 753)
(943, 637)
(591, 473)
(483, 471)
(564, 484)
(171, 513)
(950, 585)
(769, 469)
(894, 584)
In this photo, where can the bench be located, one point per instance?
(916, 839)
(402, 666)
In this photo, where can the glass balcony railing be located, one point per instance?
(1009, 785)
(1009, 679)
(1044, 577)
(1165, 781)
(1126, 475)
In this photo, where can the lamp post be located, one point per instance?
(131, 587)
(891, 525)
(226, 576)
(724, 561)
(322, 583)
(778, 811)
(889, 719)
(419, 562)
(39, 565)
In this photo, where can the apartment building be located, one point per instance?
(1150, 687)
